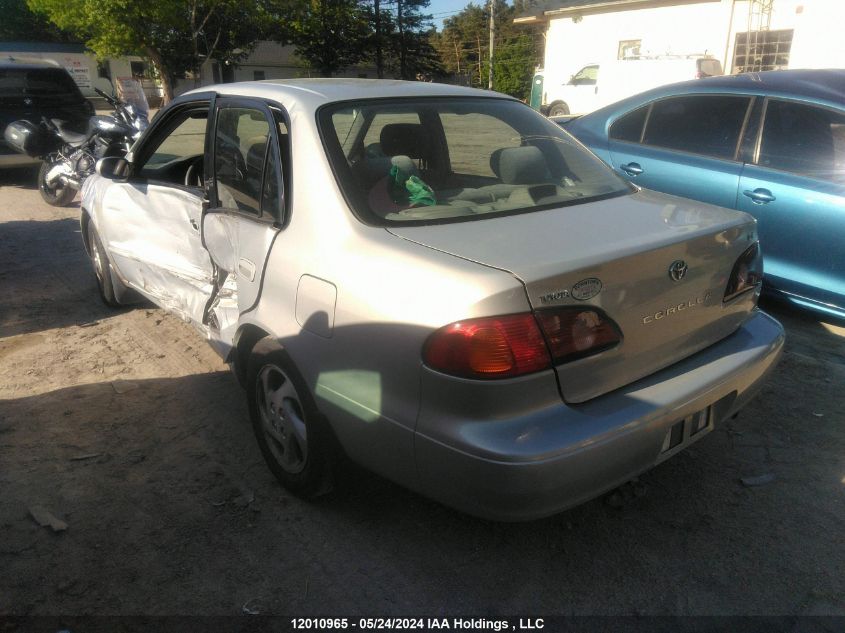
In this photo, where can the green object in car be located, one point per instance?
(407, 188)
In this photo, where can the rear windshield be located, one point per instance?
(52, 84)
(422, 161)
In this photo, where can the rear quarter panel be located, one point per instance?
(364, 369)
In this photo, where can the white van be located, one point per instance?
(597, 85)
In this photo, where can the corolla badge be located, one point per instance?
(586, 289)
(677, 309)
(678, 270)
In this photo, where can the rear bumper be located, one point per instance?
(560, 455)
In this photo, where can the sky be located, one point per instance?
(441, 9)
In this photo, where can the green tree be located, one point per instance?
(400, 39)
(177, 36)
(463, 46)
(331, 35)
(20, 23)
(413, 55)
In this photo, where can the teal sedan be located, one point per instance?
(771, 144)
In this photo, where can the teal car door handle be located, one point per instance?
(759, 196)
(632, 169)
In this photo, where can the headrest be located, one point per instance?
(405, 164)
(405, 139)
(520, 165)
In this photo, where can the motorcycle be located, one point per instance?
(70, 156)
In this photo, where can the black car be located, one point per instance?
(31, 90)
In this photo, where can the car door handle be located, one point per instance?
(632, 169)
(194, 224)
(759, 196)
(246, 268)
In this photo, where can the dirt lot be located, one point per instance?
(127, 427)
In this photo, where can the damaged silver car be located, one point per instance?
(437, 283)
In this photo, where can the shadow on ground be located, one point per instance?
(46, 278)
(20, 177)
(170, 513)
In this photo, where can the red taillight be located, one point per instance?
(492, 347)
(512, 345)
(574, 333)
(747, 273)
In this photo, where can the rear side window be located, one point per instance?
(701, 124)
(804, 139)
(50, 83)
(629, 127)
(240, 146)
(247, 168)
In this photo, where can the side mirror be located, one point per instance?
(113, 168)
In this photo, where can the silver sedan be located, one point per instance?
(437, 283)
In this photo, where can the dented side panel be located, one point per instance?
(152, 235)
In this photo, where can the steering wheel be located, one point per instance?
(193, 176)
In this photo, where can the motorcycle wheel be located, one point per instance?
(54, 196)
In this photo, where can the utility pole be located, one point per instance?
(492, 30)
(478, 42)
(457, 55)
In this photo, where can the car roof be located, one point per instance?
(10, 63)
(827, 84)
(316, 92)
(822, 86)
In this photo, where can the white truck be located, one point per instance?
(599, 84)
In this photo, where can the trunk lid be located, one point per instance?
(616, 255)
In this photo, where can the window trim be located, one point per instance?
(812, 104)
(266, 107)
(734, 158)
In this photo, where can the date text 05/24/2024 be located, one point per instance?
(418, 624)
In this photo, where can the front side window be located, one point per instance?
(700, 124)
(804, 139)
(437, 160)
(587, 76)
(179, 146)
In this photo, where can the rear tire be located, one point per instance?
(100, 262)
(54, 196)
(558, 108)
(294, 438)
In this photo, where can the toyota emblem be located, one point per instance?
(678, 270)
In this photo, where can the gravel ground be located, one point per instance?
(126, 427)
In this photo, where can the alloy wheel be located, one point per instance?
(282, 420)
